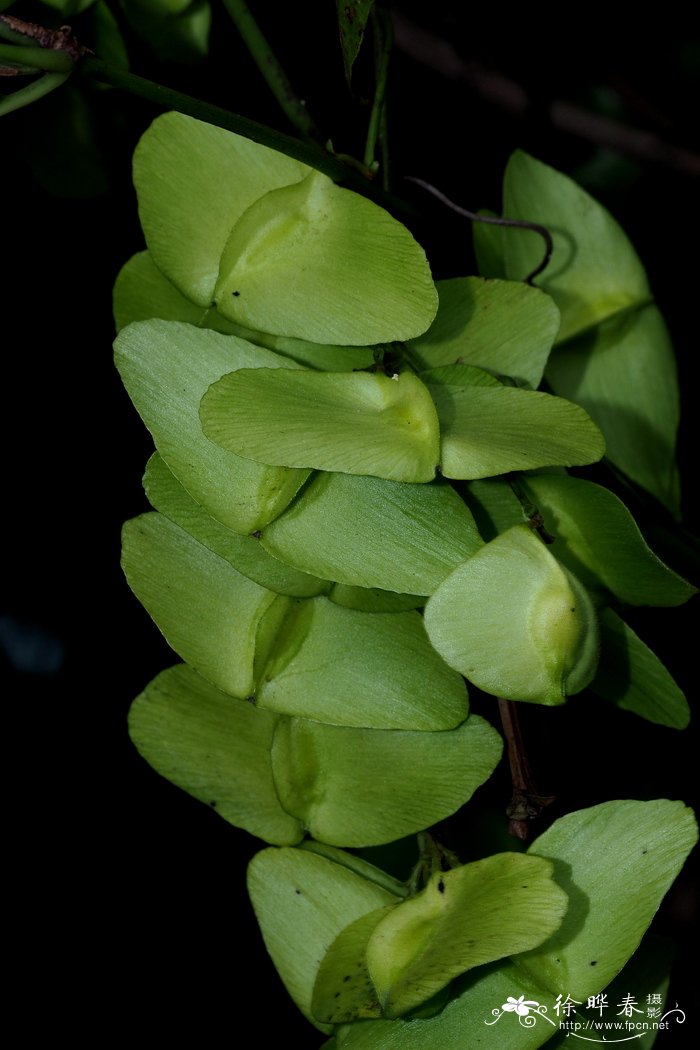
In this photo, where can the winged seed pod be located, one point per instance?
(280, 340)
(515, 622)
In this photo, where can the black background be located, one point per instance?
(136, 891)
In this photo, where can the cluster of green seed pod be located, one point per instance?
(354, 479)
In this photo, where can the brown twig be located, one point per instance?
(526, 803)
(506, 94)
(62, 39)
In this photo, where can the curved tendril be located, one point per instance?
(492, 220)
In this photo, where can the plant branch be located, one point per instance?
(525, 804)
(60, 53)
(381, 25)
(26, 34)
(272, 71)
(534, 518)
(169, 98)
(307, 152)
(510, 97)
(384, 144)
(36, 58)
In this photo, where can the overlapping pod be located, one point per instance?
(309, 391)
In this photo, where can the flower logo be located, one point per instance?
(520, 1006)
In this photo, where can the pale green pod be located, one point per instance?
(613, 355)
(599, 540)
(215, 748)
(633, 678)
(506, 327)
(344, 990)
(166, 367)
(302, 902)
(281, 778)
(368, 670)
(488, 429)
(617, 859)
(330, 777)
(466, 917)
(354, 422)
(273, 649)
(315, 261)
(370, 532)
(245, 553)
(623, 372)
(193, 182)
(594, 272)
(515, 622)
(142, 292)
(210, 613)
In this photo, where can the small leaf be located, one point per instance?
(166, 367)
(598, 539)
(633, 678)
(253, 643)
(318, 262)
(193, 182)
(624, 374)
(183, 37)
(352, 22)
(352, 422)
(302, 902)
(213, 747)
(244, 553)
(369, 532)
(374, 670)
(109, 42)
(505, 327)
(514, 622)
(617, 859)
(328, 777)
(486, 431)
(463, 918)
(65, 139)
(594, 272)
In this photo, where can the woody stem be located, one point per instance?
(526, 803)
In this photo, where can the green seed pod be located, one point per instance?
(513, 621)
